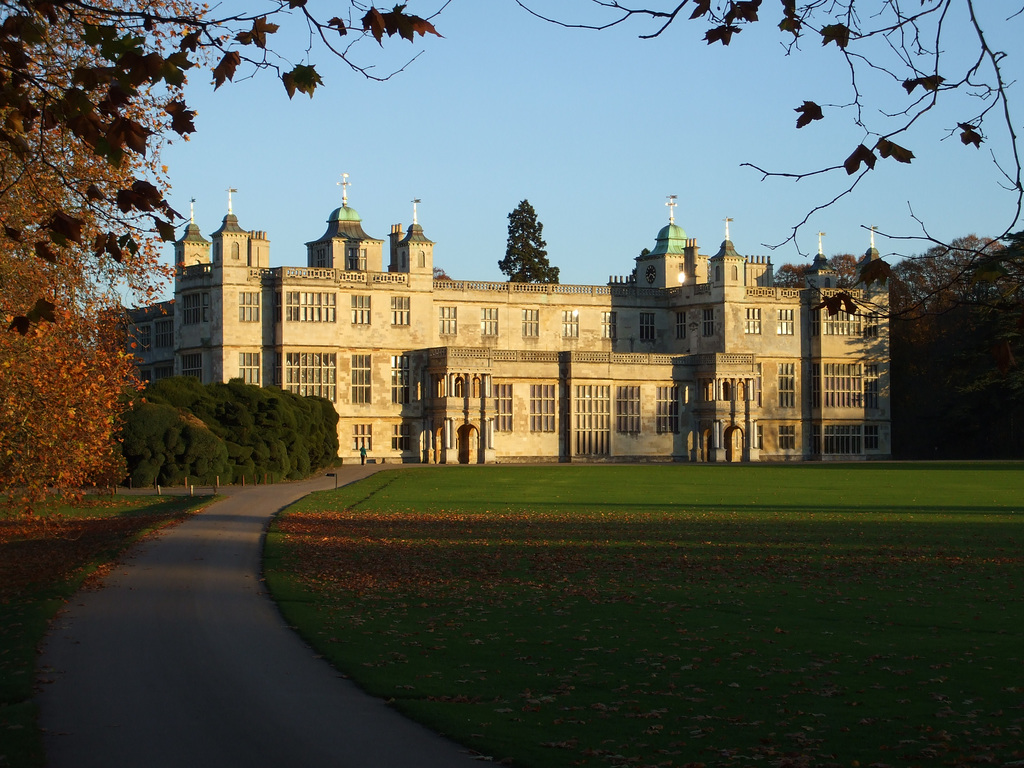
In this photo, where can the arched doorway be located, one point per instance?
(468, 440)
(705, 445)
(734, 444)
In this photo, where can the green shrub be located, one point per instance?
(185, 429)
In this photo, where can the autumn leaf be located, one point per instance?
(809, 111)
(303, 78)
(174, 67)
(745, 10)
(44, 252)
(887, 148)
(835, 33)
(722, 34)
(226, 69)
(337, 24)
(181, 117)
(125, 132)
(258, 34)
(396, 21)
(373, 22)
(875, 270)
(790, 20)
(107, 243)
(42, 310)
(837, 302)
(166, 230)
(701, 8)
(65, 228)
(860, 155)
(189, 42)
(969, 134)
(929, 83)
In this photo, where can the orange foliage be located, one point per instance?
(62, 388)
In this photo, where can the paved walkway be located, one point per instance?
(181, 659)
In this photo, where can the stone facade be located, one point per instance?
(689, 358)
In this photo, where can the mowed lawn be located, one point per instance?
(677, 615)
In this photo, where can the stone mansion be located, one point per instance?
(689, 358)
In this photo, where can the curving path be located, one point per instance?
(181, 659)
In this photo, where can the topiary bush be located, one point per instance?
(182, 428)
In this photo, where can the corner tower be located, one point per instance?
(820, 275)
(193, 248)
(727, 268)
(413, 253)
(236, 247)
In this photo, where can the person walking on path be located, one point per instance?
(362, 454)
(182, 659)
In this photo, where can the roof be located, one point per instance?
(344, 222)
(415, 235)
(671, 239)
(230, 224)
(726, 249)
(193, 235)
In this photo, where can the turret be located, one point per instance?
(344, 245)
(413, 253)
(193, 248)
(666, 265)
(820, 275)
(727, 267)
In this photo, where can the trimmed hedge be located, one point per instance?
(182, 428)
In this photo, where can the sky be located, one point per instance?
(595, 129)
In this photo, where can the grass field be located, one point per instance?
(44, 559)
(806, 615)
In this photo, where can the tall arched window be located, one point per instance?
(234, 251)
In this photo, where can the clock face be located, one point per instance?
(651, 273)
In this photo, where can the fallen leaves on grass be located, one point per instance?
(679, 639)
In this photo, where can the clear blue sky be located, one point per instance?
(595, 129)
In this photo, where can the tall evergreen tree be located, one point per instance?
(525, 260)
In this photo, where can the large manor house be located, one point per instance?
(687, 358)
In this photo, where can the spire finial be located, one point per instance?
(415, 200)
(230, 190)
(820, 251)
(873, 228)
(727, 220)
(192, 211)
(671, 208)
(344, 184)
